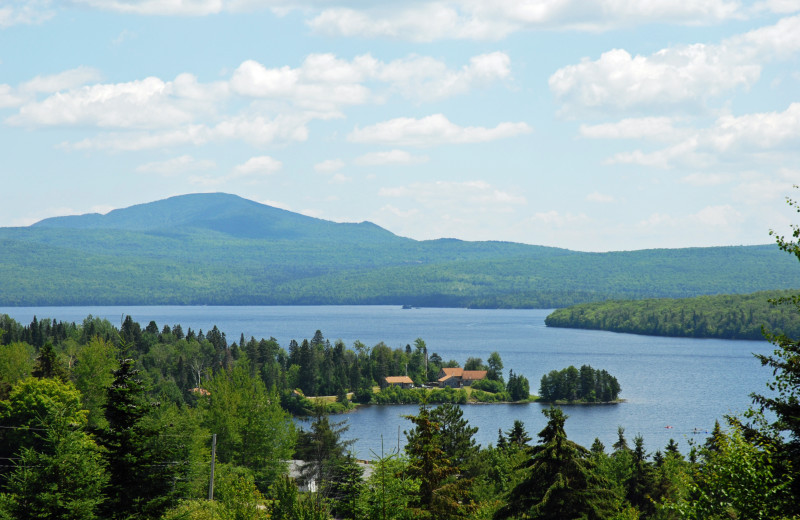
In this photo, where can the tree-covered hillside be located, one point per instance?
(222, 249)
(721, 316)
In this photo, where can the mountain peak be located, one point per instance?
(219, 212)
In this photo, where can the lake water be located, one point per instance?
(678, 382)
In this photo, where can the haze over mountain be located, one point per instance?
(222, 249)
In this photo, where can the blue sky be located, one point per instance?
(591, 125)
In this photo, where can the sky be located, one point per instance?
(594, 125)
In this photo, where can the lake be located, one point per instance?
(673, 387)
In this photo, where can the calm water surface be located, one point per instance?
(677, 382)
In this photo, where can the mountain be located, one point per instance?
(228, 214)
(222, 249)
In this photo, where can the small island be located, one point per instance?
(579, 386)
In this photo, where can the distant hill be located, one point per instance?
(223, 249)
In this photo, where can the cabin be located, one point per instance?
(401, 381)
(458, 377)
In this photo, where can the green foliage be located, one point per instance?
(397, 395)
(282, 258)
(560, 480)
(584, 385)
(94, 372)
(252, 429)
(388, 493)
(518, 387)
(728, 316)
(737, 480)
(29, 406)
(63, 478)
(441, 494)
(489, 385)
(16, 364)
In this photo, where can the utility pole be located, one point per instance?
(213, 458)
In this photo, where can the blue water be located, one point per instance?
(678, 382)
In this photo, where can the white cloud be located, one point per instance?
(261, 165)
(658, 128)
(432, 130)
(326, 82)
(682, 76)
(256, 130)
(340, 178)
(495, 19)
(778, 6)
(9, 98)
(177, 165)
(757, 131)
(161, 7)
(390, 157)
(65, 80)
(136, 104)
(722, 216)
(25, 12)
(253, 169)
(329, 166)
(746, 141)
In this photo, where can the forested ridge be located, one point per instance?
(730, 316)
(224, 250)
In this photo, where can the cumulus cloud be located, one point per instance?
(495, 19)
(254, 169)
(681, 76)
(324, 81)
(137, 104)
(390, 157)
(261, 165)
(432, 130)
(176, 165)
(742, 139)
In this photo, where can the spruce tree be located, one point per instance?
(560, 482)
(142, 469)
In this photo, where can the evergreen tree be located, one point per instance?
(455, 433)
(440, 495)
(48, 365)
(63, 479)
(142, 478)
(559, 482)
(327, 461)
(517, 435)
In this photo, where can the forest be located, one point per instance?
(218, 249)
(100, 422)
(729, 316)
